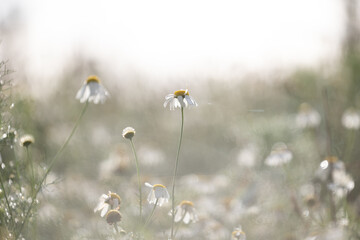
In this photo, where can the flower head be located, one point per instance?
(279, 155)
(186, 212)
(238, 234)
(128, 133)
(26, 140)
(351, 119)
(307, 116)
(92, 91)
(180, 98)
(158, 194)
(113, 216)
(108, 202)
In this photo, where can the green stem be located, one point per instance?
(349, 145)
(116, 228)
(138, 176)
(180, 222)
(49, 169)
(32, 171)
(151, 214)
(174, 177)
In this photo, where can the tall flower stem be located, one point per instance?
(138, 176)
(174, 177)
(49, 169)
(151, 214)
(31, 169)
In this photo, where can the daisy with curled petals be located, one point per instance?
(108, 202)
(186, 212)
(158, 194)
(180, 99)
(92, 91)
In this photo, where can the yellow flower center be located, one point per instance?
(188, 203)
(115, 196)
(332, 159)
(181, 93)
(93, 78)
(158, 185)
(237, 233)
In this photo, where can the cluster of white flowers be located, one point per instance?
(109, 205)
(332, 172)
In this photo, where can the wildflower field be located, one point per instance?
(265, 157)
(253, 160)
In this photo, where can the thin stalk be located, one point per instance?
(138, 176)
(151, 214)
(180, 223)
(50, 167)
(31, 169)
(116, 228)
(174, 177)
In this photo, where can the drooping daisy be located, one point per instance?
(185, 212)
(351, 119)
(180, 99)
(26, 140)
(158, 194)
(92, 91)
(238, 234)
(113, 216)
(108, 202)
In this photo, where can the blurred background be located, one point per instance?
(277, 83)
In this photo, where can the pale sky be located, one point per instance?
(165, 39)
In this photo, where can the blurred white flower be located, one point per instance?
(307, 117)
(158, 194)
(180, 99)
(238, 234)
(185, 212)
(351, 119)
(150, 156)
(279, 155)
(108, 202)
(26, 140)
(247, 156)
(117, 163)
(92, 91)
(340, 182)
(128, 133)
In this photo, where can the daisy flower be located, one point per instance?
(351, 119)
(26, 140)
(158, 194)
(108, 202)
(180, 99)
(307, 116)
(185, 212)
(92, 91)
(238, 234)
(279, 155)
(128, 133)
(113, 216)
